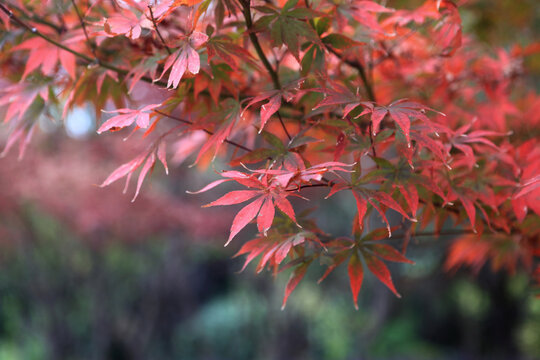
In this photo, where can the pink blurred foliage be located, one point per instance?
(62, 180)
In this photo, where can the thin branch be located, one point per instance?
(157, 30)
(35, 31)
(39, 20)
(361, 71)
(90, 43)
(84, 57)
(255, 41)
(305, 186)
(443, 233)
(205, 130)
(246, 10)
(283, 125)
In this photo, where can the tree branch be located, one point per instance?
(283, 125)
(82, 56)
(91, 44)
(157, 30)
(240, 146)
(40, 20)
(361, 71)
(436, 234)
(246, 10)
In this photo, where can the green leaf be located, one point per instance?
(274, 141)
(322, 25)
(296, 142)
(255, 156)
(265, 9)
(289, 5)
(302, 13)
(383, 163)
(264, 22)
(276, 33)
(307, 61)
(340, 42)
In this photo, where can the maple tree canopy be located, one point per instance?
(394, 107)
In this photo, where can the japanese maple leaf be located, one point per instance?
(337, 94)
(145, 66)
(274, 97)
(228, 117)
(295, 176)
(449, 29)
(365, 12)
(527, 194)
(25, 105)
(46, 55)
(296, 276)
(272, 248)
(126, 23)
(21, 132)
(269, 108)
(428, 10)
(265, 198)
(461, 140)
(364, 196)
(372, 252)
(19, 97)
(185, 58)
(401, 111)
(223, 48)
(127, 117)
(288, 26)
(146, 161)
(503, 251)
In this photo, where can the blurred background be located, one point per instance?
(86, 274)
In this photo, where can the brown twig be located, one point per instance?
(361, 71)
(157, 30)
(246, 10)
(90, 43)
(82, 56)
(283, 125)
(240, 146)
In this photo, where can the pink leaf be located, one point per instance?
(361, 206)
(266, 215)
(379, 269)
(294, 280)
(234, 197)
(387, 252)
(243, 217)
(356, 276)
(123, 170)
(162, 155)
(284, 205)
(469, 209)
(127, 117)
(270, 108)
(147, 166)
